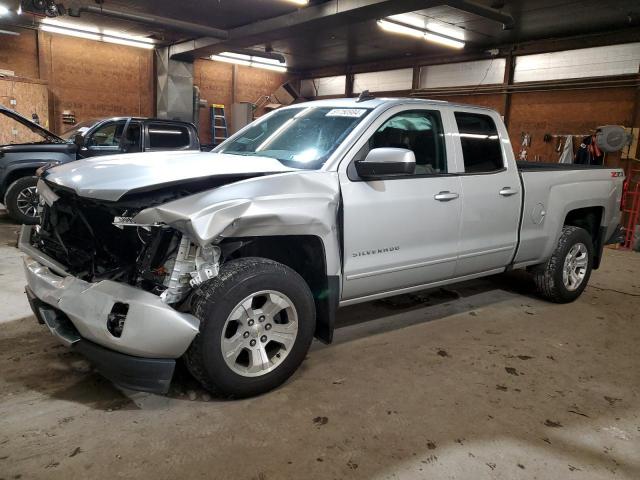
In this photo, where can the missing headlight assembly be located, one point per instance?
(100, 240)
(170, 264)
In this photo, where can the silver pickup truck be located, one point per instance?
(234, 260)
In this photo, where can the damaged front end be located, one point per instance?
(116, 276)
(98, 240)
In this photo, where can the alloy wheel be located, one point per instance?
(27, 201)
(575, 266)
(259, 333)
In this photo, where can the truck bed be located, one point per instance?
(551, 191)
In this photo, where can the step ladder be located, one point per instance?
(219, 131)
(630, 206)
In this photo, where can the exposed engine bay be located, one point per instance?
(94, 242)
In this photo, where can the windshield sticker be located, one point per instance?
(347, 112)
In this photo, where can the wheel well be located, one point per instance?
(15, 175)
(304, 254)
(589, 218)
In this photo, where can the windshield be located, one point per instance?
(78, 128)
(298, 137)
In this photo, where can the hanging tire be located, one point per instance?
(566, 274)
(257, 320)
(21, 200)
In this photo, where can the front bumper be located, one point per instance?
(151, 328)
(137, 373)
(77, 312)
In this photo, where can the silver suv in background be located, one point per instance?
(234, 260)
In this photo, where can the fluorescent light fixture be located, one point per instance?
(398, 28)
(128, 43)
(449, 42)
(220, 58)
(411, 19)
(433, 32)
(274, 68)
(3, 10)
(72, 33)
(445, 30)
(93, 33)
(251, 61)
(299, 2)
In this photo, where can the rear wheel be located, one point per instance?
(257, 320)
(565, 275)
(22, 200)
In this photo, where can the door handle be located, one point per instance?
(445, 196)
(507, 192)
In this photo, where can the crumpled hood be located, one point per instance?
(111, 177)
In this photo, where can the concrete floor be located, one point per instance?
(480, 381)
(13, 302)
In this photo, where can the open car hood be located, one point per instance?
(34, 127)
(111, 177)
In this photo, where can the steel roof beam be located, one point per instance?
(334, 13)
(330, 14)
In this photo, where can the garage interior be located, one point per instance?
(481, 379)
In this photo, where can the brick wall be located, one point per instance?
(567, 112)
(92, 79)
(559, 113)
(215, 81)
(95, 79)
(19, 53)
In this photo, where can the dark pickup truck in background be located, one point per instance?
(35, 147)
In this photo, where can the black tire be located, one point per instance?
(214, 302)
(549, 276)
(11, 200)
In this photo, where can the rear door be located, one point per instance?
(401, 232)
(491, 193)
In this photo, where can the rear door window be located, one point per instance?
(168, 137)
(480, 143)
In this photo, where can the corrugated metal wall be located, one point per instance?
(585, 62)
(481, 72)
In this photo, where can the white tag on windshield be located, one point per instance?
(347, 112)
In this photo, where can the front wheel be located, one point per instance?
(257, 320)
(22, 200)
(565, 275)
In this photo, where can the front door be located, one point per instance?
(104, 140)
(401, 232)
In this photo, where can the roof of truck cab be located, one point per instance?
(383, 101)
(142, 119)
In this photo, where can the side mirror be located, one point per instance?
(382, 162)
(78, 140)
